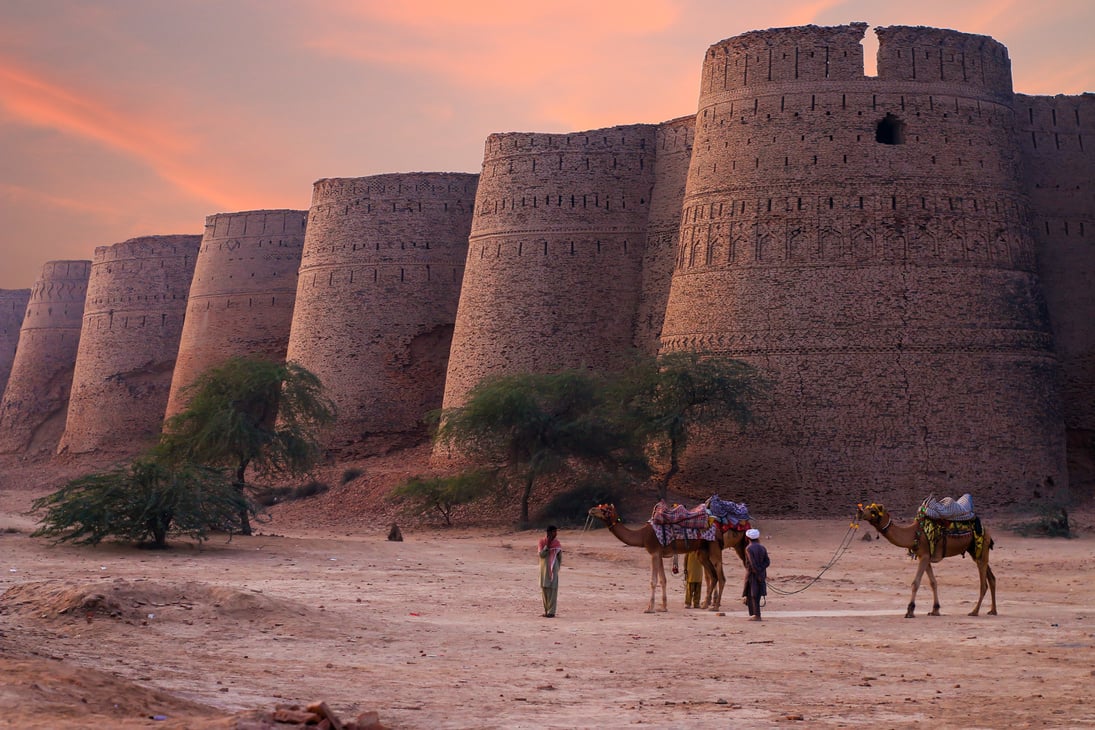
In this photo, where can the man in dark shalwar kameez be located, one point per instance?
(756, 576)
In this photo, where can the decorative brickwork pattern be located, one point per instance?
(32, 412)
(379, 282)
(866, 243)
(242, 294)
(13, 307)
(133, 316)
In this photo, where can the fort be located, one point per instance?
(241, 295)
(13, 307)
(35, 403)
(906, 257)
(133, 316)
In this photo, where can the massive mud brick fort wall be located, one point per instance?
(13, 307)
(379, 282)
(242, 293)
(907, 258)
(133, 315)
(32, 412)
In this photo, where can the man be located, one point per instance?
(756, 576)
(551, 559)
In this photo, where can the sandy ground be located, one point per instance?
(444, 630)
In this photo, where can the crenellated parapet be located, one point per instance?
(133, 316)
(13, 307)
(32, 412)
(379, 282)
(242, 293)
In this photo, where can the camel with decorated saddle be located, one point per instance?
(942, 529)
(664, 536)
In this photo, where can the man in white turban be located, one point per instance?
(756, 576)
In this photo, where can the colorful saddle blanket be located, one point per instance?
(680, 523)
(943, 518)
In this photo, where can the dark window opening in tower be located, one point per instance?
(890, 130)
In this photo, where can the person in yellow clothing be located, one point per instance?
(693, 577)
(551, 559)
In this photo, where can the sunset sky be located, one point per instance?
(121, 118)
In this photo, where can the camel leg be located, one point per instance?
(910, 612)
(655, 563)
(661, 577)
(988, 580)
(935, 590)
(709, 578)
(715, 556)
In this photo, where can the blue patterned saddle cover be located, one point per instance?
(728, 514)
(950, 510)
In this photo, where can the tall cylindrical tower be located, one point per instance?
(555, 255)
(242, 294)
(32, 413)
(865, 242)
(136, 297)
(376, 299)
(13, 307)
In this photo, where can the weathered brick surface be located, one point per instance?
(1057, 137)
(888, 290)
(242, 294)
(32, 412)
(376, 298)
(555, 256)
(133, 316)
(13, 307)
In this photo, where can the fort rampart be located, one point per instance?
(554, 267)
(379, 281)
(1057, 137)
(13, 307)
(242, 294)
(32, 412)
(136, 298)
(865, 242)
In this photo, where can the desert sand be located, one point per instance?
(444, 629)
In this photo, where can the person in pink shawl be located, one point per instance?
(551, 559)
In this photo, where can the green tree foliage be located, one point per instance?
(443, 493)
(668, 397)
(529, 425)
(143, 502)
(250, 413)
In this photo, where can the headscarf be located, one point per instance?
(554, 549)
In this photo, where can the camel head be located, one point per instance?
(606, 513)
(875, 514)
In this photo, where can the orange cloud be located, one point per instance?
(33, 100)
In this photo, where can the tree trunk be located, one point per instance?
(525, 496)
(674, 468)
(241, 485)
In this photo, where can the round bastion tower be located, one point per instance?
(242, 294)
(136, 298)
(555, 257)
(32, 412)
(13, 307)
(376, 299)
(865, 243)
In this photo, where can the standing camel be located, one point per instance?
(644, 537)
(913, 538)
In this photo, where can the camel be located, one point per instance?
(644, 537)
(912, 538)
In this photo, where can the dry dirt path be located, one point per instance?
(444, 630)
